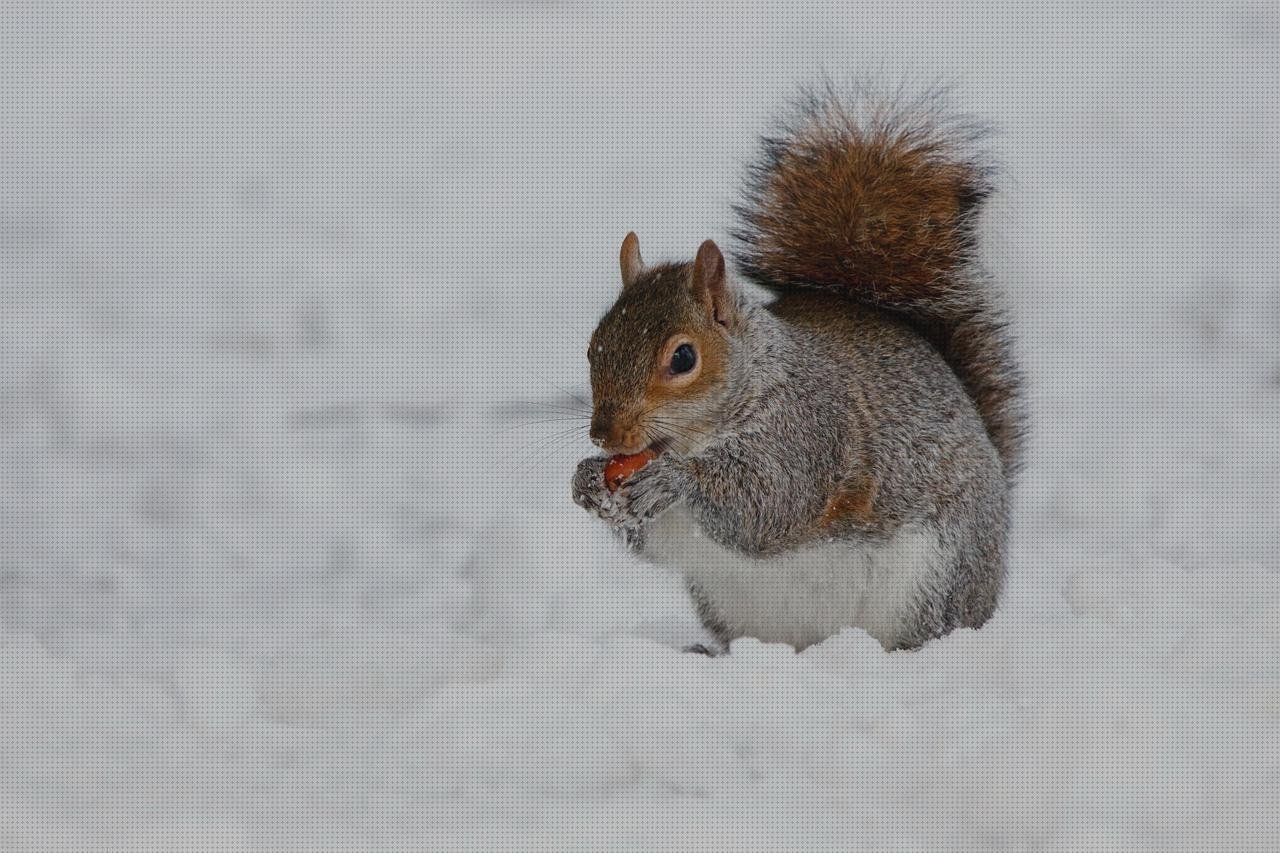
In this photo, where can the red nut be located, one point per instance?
(622, 466)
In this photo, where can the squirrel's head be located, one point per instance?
(660, 356)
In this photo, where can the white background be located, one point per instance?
(287, 560)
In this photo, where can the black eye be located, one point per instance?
(683, 359)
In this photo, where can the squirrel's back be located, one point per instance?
(875, 198)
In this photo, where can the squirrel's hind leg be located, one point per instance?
(975, 580)
(711, 621)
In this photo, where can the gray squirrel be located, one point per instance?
(842, 455)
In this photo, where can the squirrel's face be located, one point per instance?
(659, 357)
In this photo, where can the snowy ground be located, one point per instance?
(287, 562)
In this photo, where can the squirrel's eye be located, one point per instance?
(683, 359)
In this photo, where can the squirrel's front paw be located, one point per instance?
(592, 494)
(590, 490)
(655, 487)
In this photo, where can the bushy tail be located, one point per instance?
(875, 198)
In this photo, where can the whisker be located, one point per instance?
(540, 406)
(570, 394)
(537, 455)
(571, 432)
(680, 432)
(582, 422)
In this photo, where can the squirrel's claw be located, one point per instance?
(590, 490)
(652, 489)
(643, 496)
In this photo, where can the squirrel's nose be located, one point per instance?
(607, 435)
(600, 429)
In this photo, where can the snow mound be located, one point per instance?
(292, 304)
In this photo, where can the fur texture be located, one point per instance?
(875, 198)
(844, 456)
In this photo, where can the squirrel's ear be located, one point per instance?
(711, 285)
(630, 260)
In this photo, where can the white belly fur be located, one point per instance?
(807, 595)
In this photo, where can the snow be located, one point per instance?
(291, 299)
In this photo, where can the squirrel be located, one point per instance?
(840, 456)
